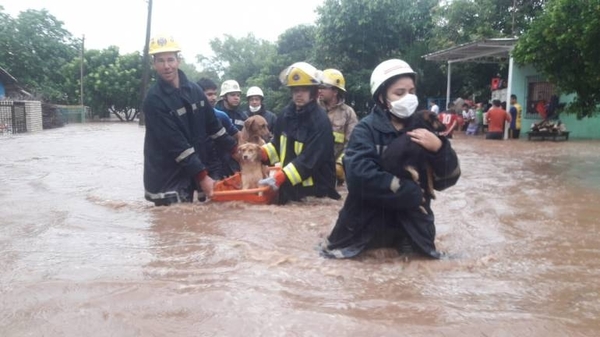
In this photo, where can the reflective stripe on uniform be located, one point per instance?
(298, 148)
(395, 184)
(283, 148)
(340, 159)
(308, 182)
(338, 137)
(238, 122)
(271, 153)
(218, 134)
(292, 174)
(185, 154)
(181, 111)
(161, 196)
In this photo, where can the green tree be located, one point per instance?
(111, 82)
(563, 44)
(354, 36)
(34, 48)
(237, 59)
(463, 21)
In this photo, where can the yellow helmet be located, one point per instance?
(163, 44)
(300, 74)
(334, 78)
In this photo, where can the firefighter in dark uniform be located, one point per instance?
(231, 96)
(302, 141)
(378, 211)
(179, 121)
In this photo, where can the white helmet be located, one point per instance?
(230, 86)
(254, 91)
(386, 70)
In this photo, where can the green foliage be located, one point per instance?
(34, 47)
(111, 82)
(563, 44)
(463, 21)
(354, 36)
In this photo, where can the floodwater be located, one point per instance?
(83, 254)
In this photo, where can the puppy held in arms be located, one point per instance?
(256, 130)
(406, 159)
(251, 168)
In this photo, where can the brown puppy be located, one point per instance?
(430, 121)
(256, 130)
(406, 159)
(251, 168)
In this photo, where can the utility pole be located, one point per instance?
(81, 78)
(146, 63)
(514, 9)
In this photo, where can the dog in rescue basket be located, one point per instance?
(406, 159)
(251, 168)
(255, 130)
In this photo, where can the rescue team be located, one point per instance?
(317, 139)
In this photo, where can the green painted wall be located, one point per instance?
(587, 128)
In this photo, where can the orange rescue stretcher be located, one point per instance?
(228, 189)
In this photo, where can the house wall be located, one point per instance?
(33, 116)
(31, 122)
(587, 128)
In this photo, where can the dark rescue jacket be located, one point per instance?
(179, 121)
(237, 116)
(303, 144)
(380, 209)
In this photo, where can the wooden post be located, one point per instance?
(81, 52)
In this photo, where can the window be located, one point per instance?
(539, 93)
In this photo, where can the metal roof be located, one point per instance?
(484, 51)
(6, 78)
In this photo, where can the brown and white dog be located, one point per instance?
(251, 167)
(256, 130)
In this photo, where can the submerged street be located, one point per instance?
(82, 253)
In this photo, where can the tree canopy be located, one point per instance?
(350, 35)
(563, 43)
(34, 47)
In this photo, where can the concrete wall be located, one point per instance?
(587, 128)
(31, 123)
(33, 116)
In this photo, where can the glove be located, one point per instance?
(264, 157)
(205, 183)
(274, 182)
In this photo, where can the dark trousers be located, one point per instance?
(495, 135)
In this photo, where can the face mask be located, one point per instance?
(254, 108)
(405, 106)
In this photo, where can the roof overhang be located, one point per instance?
(484, 51)
(6, 78)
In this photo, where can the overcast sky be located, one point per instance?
(192, 22)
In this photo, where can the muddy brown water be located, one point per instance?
(83, 254)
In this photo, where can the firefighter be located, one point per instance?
(230, 99)
(179, 120)
(342, 117)
(377, 211)
(256, 106)
(302, 142)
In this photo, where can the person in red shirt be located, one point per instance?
(450, 120)
(496, 117)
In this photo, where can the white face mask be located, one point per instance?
(255, 108)
(405, 106)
